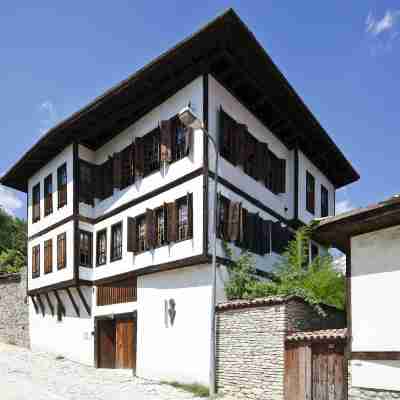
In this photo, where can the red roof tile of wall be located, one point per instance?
(328, 334)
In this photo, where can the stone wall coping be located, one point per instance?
(320, 335)
(259, 302)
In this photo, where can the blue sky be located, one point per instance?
(341, 57)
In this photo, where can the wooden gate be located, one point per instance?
(315, 367)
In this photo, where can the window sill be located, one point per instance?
(86, 266)
(115, 259)
(161, 246)
(48, 272)
(35, 276)
(101, 264)
(60, 267)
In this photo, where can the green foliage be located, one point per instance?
(316, 283)
(13, 238)
(195, 388)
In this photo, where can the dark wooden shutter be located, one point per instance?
(281, 164)
(241, 144)
(132, 235)
(221, 129)
(242, 242)
(172, 216)
(139, 157)
(261, 157)
(117, 171)
(150, 229)
(265, 246)
(189, 202)
(98, 181)
(280, 237)
(234, 221)
(166, 133)
(188, 140)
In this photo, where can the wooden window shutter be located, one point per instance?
(265, 237)
(258, 229)
(243, 228)
(139, 157)
(132, 235)
(261, 157)
(166, 133)
(234, 221)
(172, 216)
(150, 229)
(281, 175)
(117, 171)
(279, 238)
(98, 181)
(132, 163)
(242, 144)
(188, 140)
(222, 127)
(189, 202)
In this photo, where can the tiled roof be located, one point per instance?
(265, 301)
(328, 334)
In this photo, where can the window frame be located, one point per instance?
(36, 261)
(324, 207)
(181, 202)
(36, 204)
(116, 257)
(61, 251)
(141, 238)
(179, 147)
(62, 188)
(98, 235)
(89, 255)
(310, 194)
(48, 195)
(152, 137)
(164, 240)
(86, 189)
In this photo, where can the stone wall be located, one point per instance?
(370, 394)
(251, 344)
(14, 311)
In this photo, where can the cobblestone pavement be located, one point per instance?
(39, 376)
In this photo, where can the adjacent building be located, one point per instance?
(370, 238)
(120, 205)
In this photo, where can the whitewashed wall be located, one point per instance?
(179, 352)
(72, 337)
(66, 156)
(375, 267)
(164, 254)
(56, 276)
(320, 179)
(219, 96)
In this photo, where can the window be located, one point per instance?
(36, 261)
(127, 166)
(116, 242)
(48, 195)
(324, 201)
(101, 253)
(183, 220)
(223, 217)
(314, 251)
(48, 256)
(161, 227)
(227, 135)
(250, 165)
(85, 183)
(62, 251)
(141, 234)
(36, 203)
(85, 249)
(62, 185)
(181, 140)
(151, 149)
(310, 193)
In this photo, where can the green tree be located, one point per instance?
(13, 237)
(317, 282)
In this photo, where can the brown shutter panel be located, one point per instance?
(242, 228)
(166, 141)
(261, 150)
(132, 163)
(282, 175)
(165, 208)
(268, 227)
(241, 144)
(172, 216)
(189, 201)
(117, 171)
(221, 128)
(234, 221)
(150, 229)
(132, 238)
(139, 157)
(229, 220)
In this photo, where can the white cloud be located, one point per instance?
(377, 26)
(48, 114)
(9, 200)
(344, 206)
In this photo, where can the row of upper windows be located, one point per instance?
(167, 143)
(310, 196)
(169, 223)
(48, 193)
(48, 255)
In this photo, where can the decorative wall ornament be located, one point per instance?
(171, 311)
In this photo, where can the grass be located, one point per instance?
(194, 388)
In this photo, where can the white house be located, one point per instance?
(370, 237)
(120, 202)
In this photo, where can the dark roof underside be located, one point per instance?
(229, 51)
(337, 231)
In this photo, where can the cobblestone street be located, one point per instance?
(39, 376)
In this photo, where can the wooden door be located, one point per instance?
(106, 344)
(125, 356)
(328, 373)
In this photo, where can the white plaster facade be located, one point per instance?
(375, 273)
